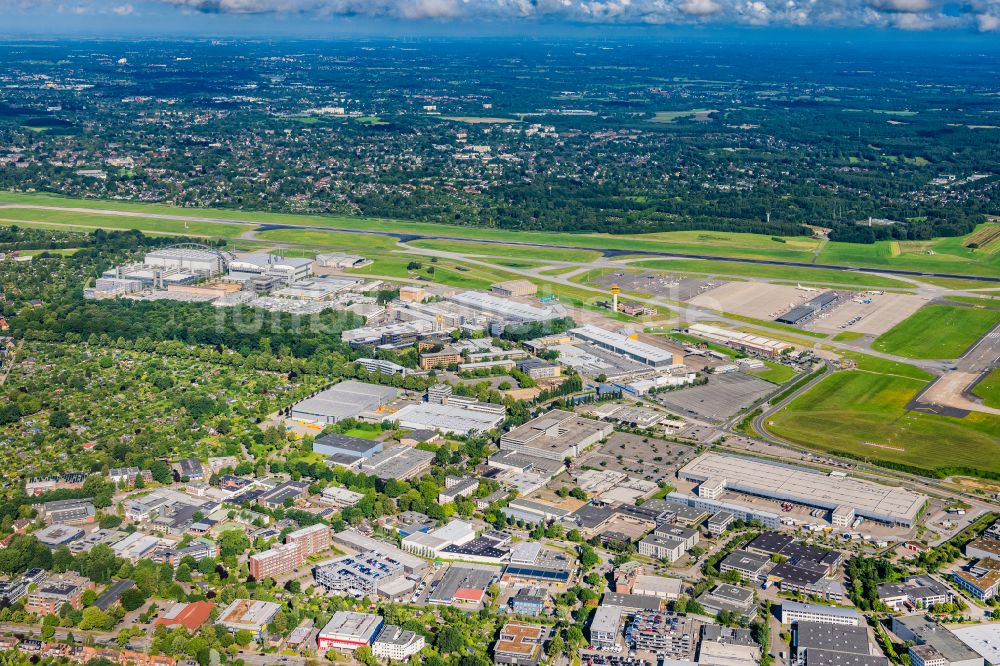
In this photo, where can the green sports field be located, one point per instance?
(863, 414)
(937, 332)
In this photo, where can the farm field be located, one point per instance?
(863, 415)
(937, 332)
(989, 389)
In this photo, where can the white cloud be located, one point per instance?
(700, 7)
(983, 15)
(902, 6)
(988, 22)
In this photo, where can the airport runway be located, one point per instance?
(406, 237)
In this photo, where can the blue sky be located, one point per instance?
(464, 17)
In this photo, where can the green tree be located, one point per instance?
(161, 472)
(233, 543)
(59, 419)
(96, 619)
(132, 599)
(449, 639)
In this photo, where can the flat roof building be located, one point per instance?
(451, 418)
(746, 512)
(520, 644)
(793, 611)
(360, 543)
(921, 631)
(888, 504)
(431, 544)
(462, 584)
(514, 288)
(57, 534)
(248, 614)
(348, 630)
(338, 444)
(397, 644)
(348, 399)
(729, 598)
(361, 575)
(830, 637)
(625, 346)
(752, 566)
(511, 312)
(555, 435)
(605, 625)
(398, 462)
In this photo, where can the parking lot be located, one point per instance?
(720, 399)
(642, 457)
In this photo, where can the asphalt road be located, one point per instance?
(405, 237)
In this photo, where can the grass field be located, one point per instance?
(848, 336)
(673, 116)
(863, 414)
(942, 255)
(69, 219)
(522, 252)
(989, 389)
(950, 254)
(811, 276)
(776, 373)
(937, 332)
(332, 239)
(978, 301)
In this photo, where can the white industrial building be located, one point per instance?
(509, 311)
(397, 644)
(793, 611)
(555, 435)
(377, 365)
(452, 418)
(190, 260)
(286, 269)
(348, 399)
(348, 631)
(627, 346)
(887, 504)
(431, 544)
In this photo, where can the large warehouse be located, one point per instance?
(886, 504)
(347, 399)
(452, 419)
(626, 346)
(189, 259)
(803, 313)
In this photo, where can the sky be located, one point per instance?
(470, 17)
